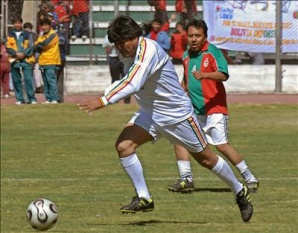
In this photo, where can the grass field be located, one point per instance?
(63, 154)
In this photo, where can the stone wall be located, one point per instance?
(243, 78)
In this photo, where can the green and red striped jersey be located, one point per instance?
(207, 96)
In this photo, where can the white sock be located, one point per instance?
(241, 166)
(133, 168)
(184, 169)
(245, 172)
(225, 173)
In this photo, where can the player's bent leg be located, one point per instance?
(230, 153)
(225, 173)
(131, 138)
(237, 160)
(206, 158)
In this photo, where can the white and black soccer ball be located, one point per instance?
(42, 214)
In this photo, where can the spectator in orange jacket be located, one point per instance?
(80, 13)
(178, 44)
(47, 45)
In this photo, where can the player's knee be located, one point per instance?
(207, 163)
(222, 148)
(124, 148)
(206, 158)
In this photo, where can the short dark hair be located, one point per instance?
(181, 24)
(28, 25)
(157, 20)
(122, 28)
(198, 23)
(146, 27)
(45, 21)
(17, 18)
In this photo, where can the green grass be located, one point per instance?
(63, 154)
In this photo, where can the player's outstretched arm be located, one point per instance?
(91, 105)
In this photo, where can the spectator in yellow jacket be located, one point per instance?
(49, 60)
(19, 46)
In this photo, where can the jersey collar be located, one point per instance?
(205, 48)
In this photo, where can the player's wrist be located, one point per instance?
(205, 75)
(103, 101)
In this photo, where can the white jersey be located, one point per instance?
(154, 82)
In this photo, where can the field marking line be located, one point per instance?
(153, 178)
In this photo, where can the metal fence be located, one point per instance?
(9, 9)
(28, 9)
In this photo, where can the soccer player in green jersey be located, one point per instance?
(205, 69)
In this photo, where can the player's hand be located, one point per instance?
(20, 56)
(198, 75)
(91, 105)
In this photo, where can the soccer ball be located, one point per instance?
(42, 214)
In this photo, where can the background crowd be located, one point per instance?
(34, 62)
(25, 77)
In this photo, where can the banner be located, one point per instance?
(249, 25)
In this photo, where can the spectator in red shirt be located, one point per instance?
(159, 34)
(80, 13)
(55, 2)
(62, 8)
(187, 10)
(178, 44)
(160, 7)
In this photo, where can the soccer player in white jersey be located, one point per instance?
(165, 110)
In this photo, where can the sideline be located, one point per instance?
(232, 98)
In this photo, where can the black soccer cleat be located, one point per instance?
(244, 202)
(138, 204)
(182, 186)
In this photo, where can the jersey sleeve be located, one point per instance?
(144, 65)
(41, 44)
(220, 63)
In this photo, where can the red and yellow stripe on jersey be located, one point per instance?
(207, 96)
(131, 73)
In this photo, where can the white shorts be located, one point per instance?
(215, 127)
(187, 133)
